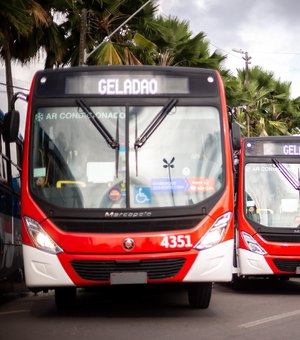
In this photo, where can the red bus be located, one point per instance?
(127, 179)
(268, 224)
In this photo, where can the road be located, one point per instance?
(264, 310)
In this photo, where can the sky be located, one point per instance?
(269, 30)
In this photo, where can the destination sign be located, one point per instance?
(268, 148)
(127, 81)
(126, 84)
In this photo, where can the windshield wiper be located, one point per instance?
(158, 119)
(287, 174)
(140, 141)
(113, 143)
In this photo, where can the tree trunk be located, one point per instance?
(82, 39)
(50, 59)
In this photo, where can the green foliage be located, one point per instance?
(261, 104)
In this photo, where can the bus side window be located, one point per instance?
(3, 159)
(19, 155)
(15, 167)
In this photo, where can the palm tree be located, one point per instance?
(13, 17)
(16, 20)
(294, 121)
(177, 46)
(262, 105)
(102, 19)
(47, 39)
(144, 40)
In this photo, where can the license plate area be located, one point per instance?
(124, 278)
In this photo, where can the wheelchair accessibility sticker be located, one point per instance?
(142, 195)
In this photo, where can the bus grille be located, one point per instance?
(101, 270)
(126, 225)
(287, 265)
(290, 238)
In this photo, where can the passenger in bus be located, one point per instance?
(252, 214)
(297, 221)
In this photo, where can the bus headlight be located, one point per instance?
(40, 238)
(252, 244)
(215, 234)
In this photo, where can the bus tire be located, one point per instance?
(199, 294)
(239, 283)
(65, 297)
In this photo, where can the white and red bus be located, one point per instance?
(127, 179)
(268, 209)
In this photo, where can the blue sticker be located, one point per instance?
(142, 195)
(168, 185)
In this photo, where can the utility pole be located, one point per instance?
(247, 62)
(247, 59)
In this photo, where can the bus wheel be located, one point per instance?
(239, 283)
(65, 297)
(199, 294)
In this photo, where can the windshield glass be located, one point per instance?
(271, 199)
(74, 166)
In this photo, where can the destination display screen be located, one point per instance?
(108, 82)
(122, 85)
(269, 148)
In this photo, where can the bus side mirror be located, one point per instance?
(236, 136)
(11, 125)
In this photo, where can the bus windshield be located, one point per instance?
(74, 166)
(277, 204)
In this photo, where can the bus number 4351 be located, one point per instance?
(177, 241)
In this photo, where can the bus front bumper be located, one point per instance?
(49, 271)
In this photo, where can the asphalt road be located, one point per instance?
(263, 310)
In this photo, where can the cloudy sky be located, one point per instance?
(269, 30)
